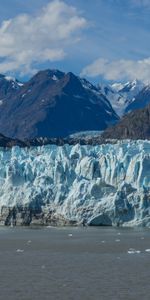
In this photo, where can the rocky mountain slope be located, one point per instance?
(135, 125)
(54, 104)
(97, 185)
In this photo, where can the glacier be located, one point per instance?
(107, 184)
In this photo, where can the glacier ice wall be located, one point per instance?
(99, 185)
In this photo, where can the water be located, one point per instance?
(74, 263)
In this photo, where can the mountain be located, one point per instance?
(141, 100)
(129, 89)
(54, 104)
(118, 101)
(135, 125)
(8, 87)
(122, 95)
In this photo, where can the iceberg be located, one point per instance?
(106, 184)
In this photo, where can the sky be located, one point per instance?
(102, 40)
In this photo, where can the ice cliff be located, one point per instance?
(98, 185)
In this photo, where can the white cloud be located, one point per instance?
(30, 39)
(119, 69)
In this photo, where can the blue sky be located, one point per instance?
(100, 39)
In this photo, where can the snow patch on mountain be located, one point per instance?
(117, 101)
(121, 95)
(117, 86)
(130, 89)
(96, 91)
(55, 78)
(13, 81)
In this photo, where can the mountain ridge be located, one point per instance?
(141, 100)
(55, 104)
(135, 125)
(121, 95)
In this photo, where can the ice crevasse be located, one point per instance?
(106, 184)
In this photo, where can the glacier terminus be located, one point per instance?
(106, 184)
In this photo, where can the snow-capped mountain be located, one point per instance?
(121, 95)
(141, 100)
(55, 104)
(8, 83)
(8, 86)
(129, 89)
(118, 101)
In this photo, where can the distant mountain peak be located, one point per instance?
(141, 100)
(134, 85)
(121, 95)
(10, 81)
(8, 86)
(53, 74)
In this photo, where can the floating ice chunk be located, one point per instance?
(70, 234)
(19, 250)
(133, 251)
(117, 240)
(147, 250)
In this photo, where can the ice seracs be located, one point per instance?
(99, 185)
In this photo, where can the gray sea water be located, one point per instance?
(74, 263)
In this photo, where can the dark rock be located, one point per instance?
(9, 143)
